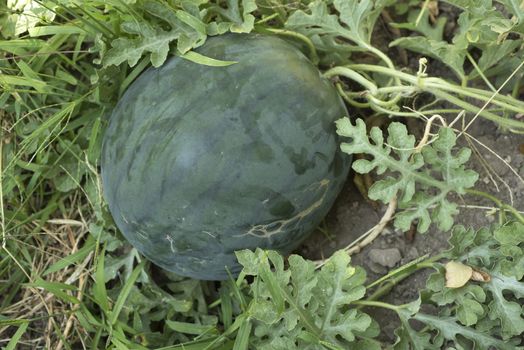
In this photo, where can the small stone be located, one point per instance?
(385, 257)
(378, 269)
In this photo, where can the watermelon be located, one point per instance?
(201, 161)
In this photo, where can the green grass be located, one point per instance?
(67, 278)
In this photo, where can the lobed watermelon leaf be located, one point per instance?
(486, 313)
(300, 306)
(187, 30)
(422, 181)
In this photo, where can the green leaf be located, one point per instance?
(509, 313)
(409, 339)
(319, 24)
(495, 301)
(68, 171)
(145, 37)
(424, 26)
(466, 242)
(189, 29)
(421, 181)
(237, 17)
(480, 25)
(131, 50)
(338, 33)
(510, 234)
(30, 74)
(469, 299)
(20, 46)
(360, 16)
(114, 263)
(516, 8)
(511, 240)
(37, 84)
(449, 329)
(355, 20)
(25, 15)
(249, 261)
(303, 305)
(449, 54)
(340, 284)
(103, 236)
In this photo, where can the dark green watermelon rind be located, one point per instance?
(201, 161)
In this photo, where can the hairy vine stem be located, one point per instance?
(313, 56)
(500, 204)
(419, 83)
(387, 282)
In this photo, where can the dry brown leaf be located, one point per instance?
(480, 276)
(457, 274)
(433, 10)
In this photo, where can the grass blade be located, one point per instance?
(99, 288)
(191, 328)
(51, 30)
(125, 292)
(207, 61)
(242, 338)
(73, 258)
(226, 306)
(57, 289)
(16, 337)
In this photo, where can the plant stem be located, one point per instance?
(266, 19)
(384, 58)
(394, 277)
(351, 74)
(349, 100)
(435, 85)
(313, 56)
(499, 100)
(383, 305)
(516, 87)
(499, 203)
(474, 109)
(479, 72)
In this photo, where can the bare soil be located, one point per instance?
(352, 215)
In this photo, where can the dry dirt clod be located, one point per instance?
(385, 257)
